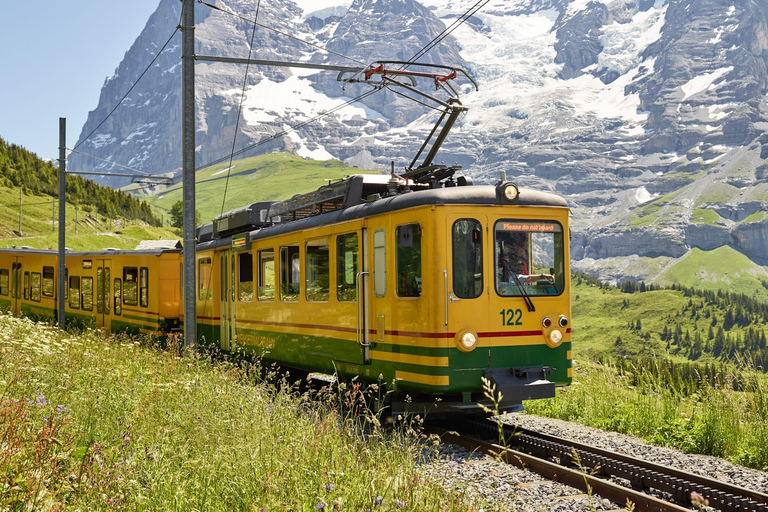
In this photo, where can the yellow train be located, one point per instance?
(425, 288)
(118, 291)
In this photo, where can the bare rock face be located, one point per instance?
(649, 116)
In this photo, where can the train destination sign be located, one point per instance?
(532, 227)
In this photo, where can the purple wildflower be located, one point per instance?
(328, 487)
(399, 504)
(379, 499)
(320, 506)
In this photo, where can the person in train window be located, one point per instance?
(513, 258)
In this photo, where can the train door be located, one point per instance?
(227, 298)
(16, 286)
(466, 298)
(103, 295)
(352, 293)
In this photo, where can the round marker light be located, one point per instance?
(466, 341)
(563, 322)
(547, 322)
(510, 192)
(555, 337)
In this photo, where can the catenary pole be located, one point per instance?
(62, 217)
(188, 168)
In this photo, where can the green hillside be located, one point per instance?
(271, 177)
(23, 169)
(682, 324)
(721, 269)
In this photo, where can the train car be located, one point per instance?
(117, 291)
(427, 288)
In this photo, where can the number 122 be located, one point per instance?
(511, 317)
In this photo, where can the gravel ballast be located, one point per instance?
(495, 486)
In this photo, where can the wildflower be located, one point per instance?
(399, 504)
(320, 506)
(697, 500)
(337, 504)
(379, 499)
(328, 487)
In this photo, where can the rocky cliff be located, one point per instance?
(650, 116)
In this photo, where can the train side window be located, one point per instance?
(74, 292)
(13, 280)
(346, 267)
(86, 294)
(266, 275)
(379, 263)
(118, 296)
(467, 236)
(5, 280)
(48, 282)
(317, 271)
(290, 273)
(144, 286)
(408, 260)
(204, 269)
(34, 286)
(245, 277)
(131, 286)
(26, 285)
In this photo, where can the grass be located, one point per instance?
(716, 420)
(94, 423)
(722, 268)
(271, 177)
(706, 217)
(91, 231)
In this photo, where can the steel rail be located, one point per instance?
(639, 472)
(579, 479)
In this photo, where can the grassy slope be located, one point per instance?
(271, 177)
(143, 429)
(93, 231)
(723, 268)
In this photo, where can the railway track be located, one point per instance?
(619, 478)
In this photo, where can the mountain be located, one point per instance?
(649, 116)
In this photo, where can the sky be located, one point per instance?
(55, 57)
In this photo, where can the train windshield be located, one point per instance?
(528, 258)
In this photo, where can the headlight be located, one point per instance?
(466, 341)
(510, 192)
(555, 337)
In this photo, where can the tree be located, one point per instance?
(177, 215)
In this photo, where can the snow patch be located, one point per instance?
(294, 98)
(101, 140)
(303, 151)
(623, 44)
(643, 196)
(703, 82)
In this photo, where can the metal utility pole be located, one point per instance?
(188, 168)
(53, 215)
(62, 219)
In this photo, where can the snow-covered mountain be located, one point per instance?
(650, 116)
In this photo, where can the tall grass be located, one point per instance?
(88, 422)
(716, 420)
